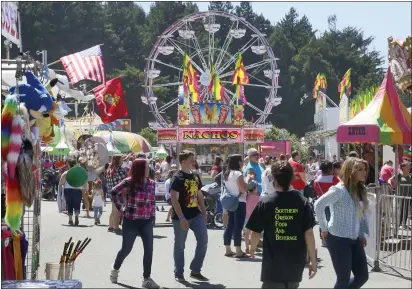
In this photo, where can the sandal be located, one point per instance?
(231, 254)
(244, 255)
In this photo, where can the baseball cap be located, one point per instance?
(252, 152)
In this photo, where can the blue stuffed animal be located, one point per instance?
(34, 95)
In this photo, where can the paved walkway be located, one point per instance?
(93, 266)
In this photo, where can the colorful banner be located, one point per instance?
(117, 125)
(10, 22)
(166, 135)
(183, 114)
(253, 135)
(238, 114)
(210, 135)
(210, 113)
(361, 100)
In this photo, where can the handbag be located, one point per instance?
(229, 202)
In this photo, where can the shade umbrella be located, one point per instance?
(126, 142)
(161, 153)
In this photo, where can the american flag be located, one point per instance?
(86, 64)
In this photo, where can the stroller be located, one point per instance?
(214, 210)
(49, 184)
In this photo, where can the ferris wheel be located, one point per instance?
(182, 38)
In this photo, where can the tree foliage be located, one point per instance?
(282, 134)
(150, 135)
(128, 34)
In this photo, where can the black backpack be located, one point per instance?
(309, 190)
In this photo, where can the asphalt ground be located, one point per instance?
(93, 267)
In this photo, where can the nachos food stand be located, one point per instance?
(210, 130)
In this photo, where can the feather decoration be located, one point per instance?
(9, 111)
(15, 144)
(14, 204)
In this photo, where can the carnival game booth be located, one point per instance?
(385, 121)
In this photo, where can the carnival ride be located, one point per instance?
(182, 37)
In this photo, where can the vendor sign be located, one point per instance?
(210, 113)
(210, 135)
(166, 135)
(10, 22)
(253, 135)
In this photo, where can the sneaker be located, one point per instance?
(76, 221)
(98, 221)
(180, 279)
(71, 223)
(199, 277)
(95, 222)
(149, 283)
(114, 274)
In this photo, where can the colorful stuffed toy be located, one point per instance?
(53, 121)
(9, 111)
(34, 95)
(16, 139)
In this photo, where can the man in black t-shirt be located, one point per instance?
(287, 222)
(189, 212)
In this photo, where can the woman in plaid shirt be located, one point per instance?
(114, 175)
(138, 211)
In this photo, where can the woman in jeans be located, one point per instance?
(73, 196)
(235, 184)
(346, 229)
(114, 175)
(138, 211)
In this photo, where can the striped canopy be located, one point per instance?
(126, 142)
(385, 120)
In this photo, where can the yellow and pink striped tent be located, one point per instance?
(385, 120)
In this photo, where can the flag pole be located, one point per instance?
(58, 61)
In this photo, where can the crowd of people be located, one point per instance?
(273, 210)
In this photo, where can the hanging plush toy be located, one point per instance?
(9, 110)
(54, 121)
(35, 96)
(14, 202)
(15, 144)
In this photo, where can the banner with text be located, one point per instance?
(253, 135)
(10, 22)
(210, 135)
(166, 135)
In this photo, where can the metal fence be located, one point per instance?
(389, 240)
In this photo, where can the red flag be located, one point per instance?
(110, 100)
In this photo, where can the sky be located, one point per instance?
(378, 19)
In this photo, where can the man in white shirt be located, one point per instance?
(165, 167)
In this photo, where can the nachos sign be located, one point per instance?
(10, 22)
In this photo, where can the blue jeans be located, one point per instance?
(130, 230)
(235, 224)
(98, 211)
(73, 200)
(198, 226)
(348, 256)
